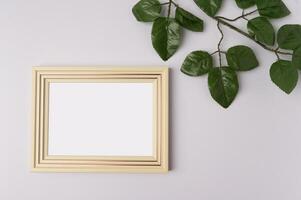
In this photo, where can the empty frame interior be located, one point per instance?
(100, 119)
(109, 119)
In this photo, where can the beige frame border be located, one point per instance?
(43, 76)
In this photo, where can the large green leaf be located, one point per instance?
(147, 10)
(272, 8)
(297, 58)
(289, 36)
(210, 7)
(245, 3)
(262, 29)
(284, 75)
(223, 85)
(197, 63)
(166, 33)
(241, 58)
(188, 20)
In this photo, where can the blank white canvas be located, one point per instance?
(101, 119)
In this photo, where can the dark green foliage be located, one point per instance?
(241, 58)
(166, 37)
(223, 85)
(289, 36)
(147, 10)
(297, 58)
(210, 7)
(222, 81)
(262, 30)
(197, 63)
(188, 20)
(243, 4)
(284, 75)
(272, 8)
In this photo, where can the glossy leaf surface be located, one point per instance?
(147, 10)
(243, 4)
(241, 58)
(262, 30)
(166, 35)
(223, 85)
(284, 75)
(197, 63)
(272, 8)
(289, 36)
(188, 20)
(210, 7)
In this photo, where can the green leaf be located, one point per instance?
(289, 36)
(147, 10)
(284, 75)
(223, 85)
(243, 4)
(272, 8)
(197, 63)
(166, 35)
(241, 58)
(297, 58)
(210, 7)
(188, 20)
(262, 29)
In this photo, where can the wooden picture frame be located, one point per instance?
(45, 78)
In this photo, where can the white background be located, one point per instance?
(101, 119)
(250, 151)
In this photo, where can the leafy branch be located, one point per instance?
(221, 20)
(222, 80)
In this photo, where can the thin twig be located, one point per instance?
(276, 53)
(223, 52)
(167, 3)
(169, 8)
(219, 44)
(176, 5)
(243, 15)
(239, 17)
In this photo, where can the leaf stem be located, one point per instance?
(239, 17)
(223, 52)
(169, 8)
(221, 21)
(276, 53)
(176, 5)
(167, 3)
(244, 15)
(219, 43)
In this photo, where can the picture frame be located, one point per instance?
(85, 119)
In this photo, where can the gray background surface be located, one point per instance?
(250, 151)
